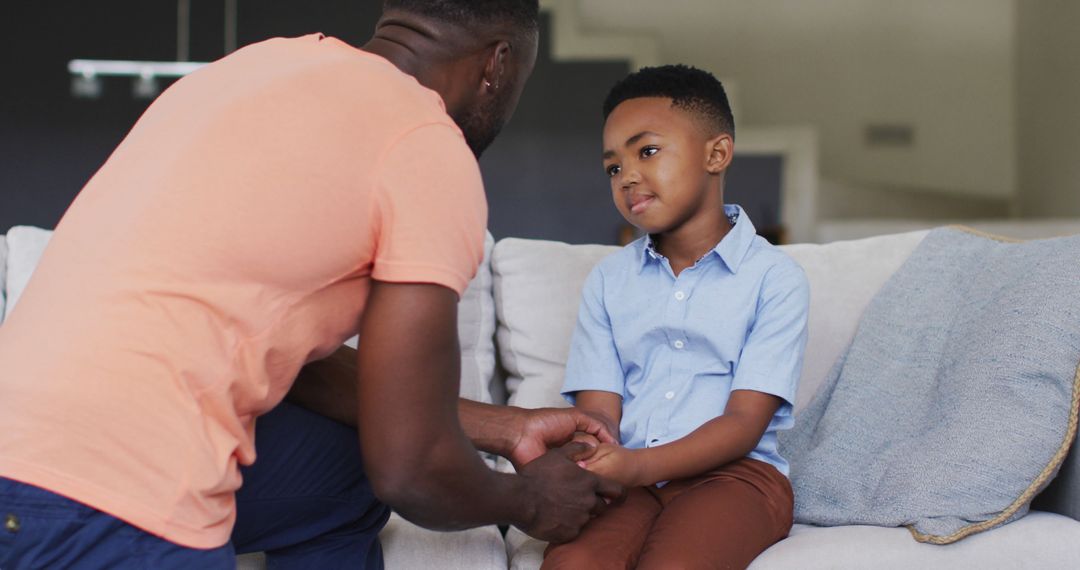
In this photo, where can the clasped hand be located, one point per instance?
(565, 495)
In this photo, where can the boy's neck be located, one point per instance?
(688, 243)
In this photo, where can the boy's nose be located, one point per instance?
(629, 178)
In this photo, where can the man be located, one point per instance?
(264, 209)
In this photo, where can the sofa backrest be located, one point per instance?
(538, 285)
(25, 245)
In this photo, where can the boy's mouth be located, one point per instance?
(639, 202)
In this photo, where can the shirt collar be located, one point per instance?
(731, 250)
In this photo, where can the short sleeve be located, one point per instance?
(593, 363)
(771, 359)
(432, 210)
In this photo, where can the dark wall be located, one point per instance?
(543, 175)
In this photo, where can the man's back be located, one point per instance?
(229, 239)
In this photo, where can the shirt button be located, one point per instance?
(679, 344)
(669, 395)
(679, 295)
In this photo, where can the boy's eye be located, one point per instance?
(648, 151)
(612, 170)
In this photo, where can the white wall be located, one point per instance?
(1048, 97)
(944, 66)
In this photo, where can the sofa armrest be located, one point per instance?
(1062, 496)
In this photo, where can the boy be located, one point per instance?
(690, 338)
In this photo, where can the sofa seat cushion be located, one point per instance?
(1038, 541)
(406, 546)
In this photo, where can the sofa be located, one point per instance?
(515, 321)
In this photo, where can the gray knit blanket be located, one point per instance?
(957, 400)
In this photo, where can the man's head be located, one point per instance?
(668, 139)
(477, 54)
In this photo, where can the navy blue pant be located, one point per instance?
(305, 502)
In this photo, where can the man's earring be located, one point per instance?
(487, 84)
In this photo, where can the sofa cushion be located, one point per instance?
(538, 288)
(406, 545)
(25, 245)
(1040, 540)
(844, 276)
(476, 331)
(537, 291)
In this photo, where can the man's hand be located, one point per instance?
(546, 428)
(619, 464)
(565, 496)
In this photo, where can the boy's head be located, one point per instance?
(690, 89)
(668, 138)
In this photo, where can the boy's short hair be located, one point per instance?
(688, 88)
(524, 15)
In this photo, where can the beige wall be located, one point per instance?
(1048, 96)
(945, 67)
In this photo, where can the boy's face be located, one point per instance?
(662, 165)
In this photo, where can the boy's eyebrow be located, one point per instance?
(629, 141)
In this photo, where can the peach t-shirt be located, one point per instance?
(228, 240)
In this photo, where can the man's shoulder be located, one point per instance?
(327, 76)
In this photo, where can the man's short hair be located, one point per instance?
(523, 15)
(688, 88)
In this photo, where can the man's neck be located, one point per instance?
(416, 49)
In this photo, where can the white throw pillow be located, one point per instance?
(844, 276)
(25, 245)
(537, 292)
(476, 331)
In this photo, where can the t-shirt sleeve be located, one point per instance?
(771, 360)
(593, 362)
(432, 210)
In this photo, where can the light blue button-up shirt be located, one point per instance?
(675, 347)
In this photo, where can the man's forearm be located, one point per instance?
(494, 429)
(328, 387)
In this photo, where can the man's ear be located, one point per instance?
(721, 149)
(496, 57)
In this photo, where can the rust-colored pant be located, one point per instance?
(722, 519)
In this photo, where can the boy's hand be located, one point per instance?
(618, 464)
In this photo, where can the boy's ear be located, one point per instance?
(721, 149)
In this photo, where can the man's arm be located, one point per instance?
(328, 387)
(416, 453)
